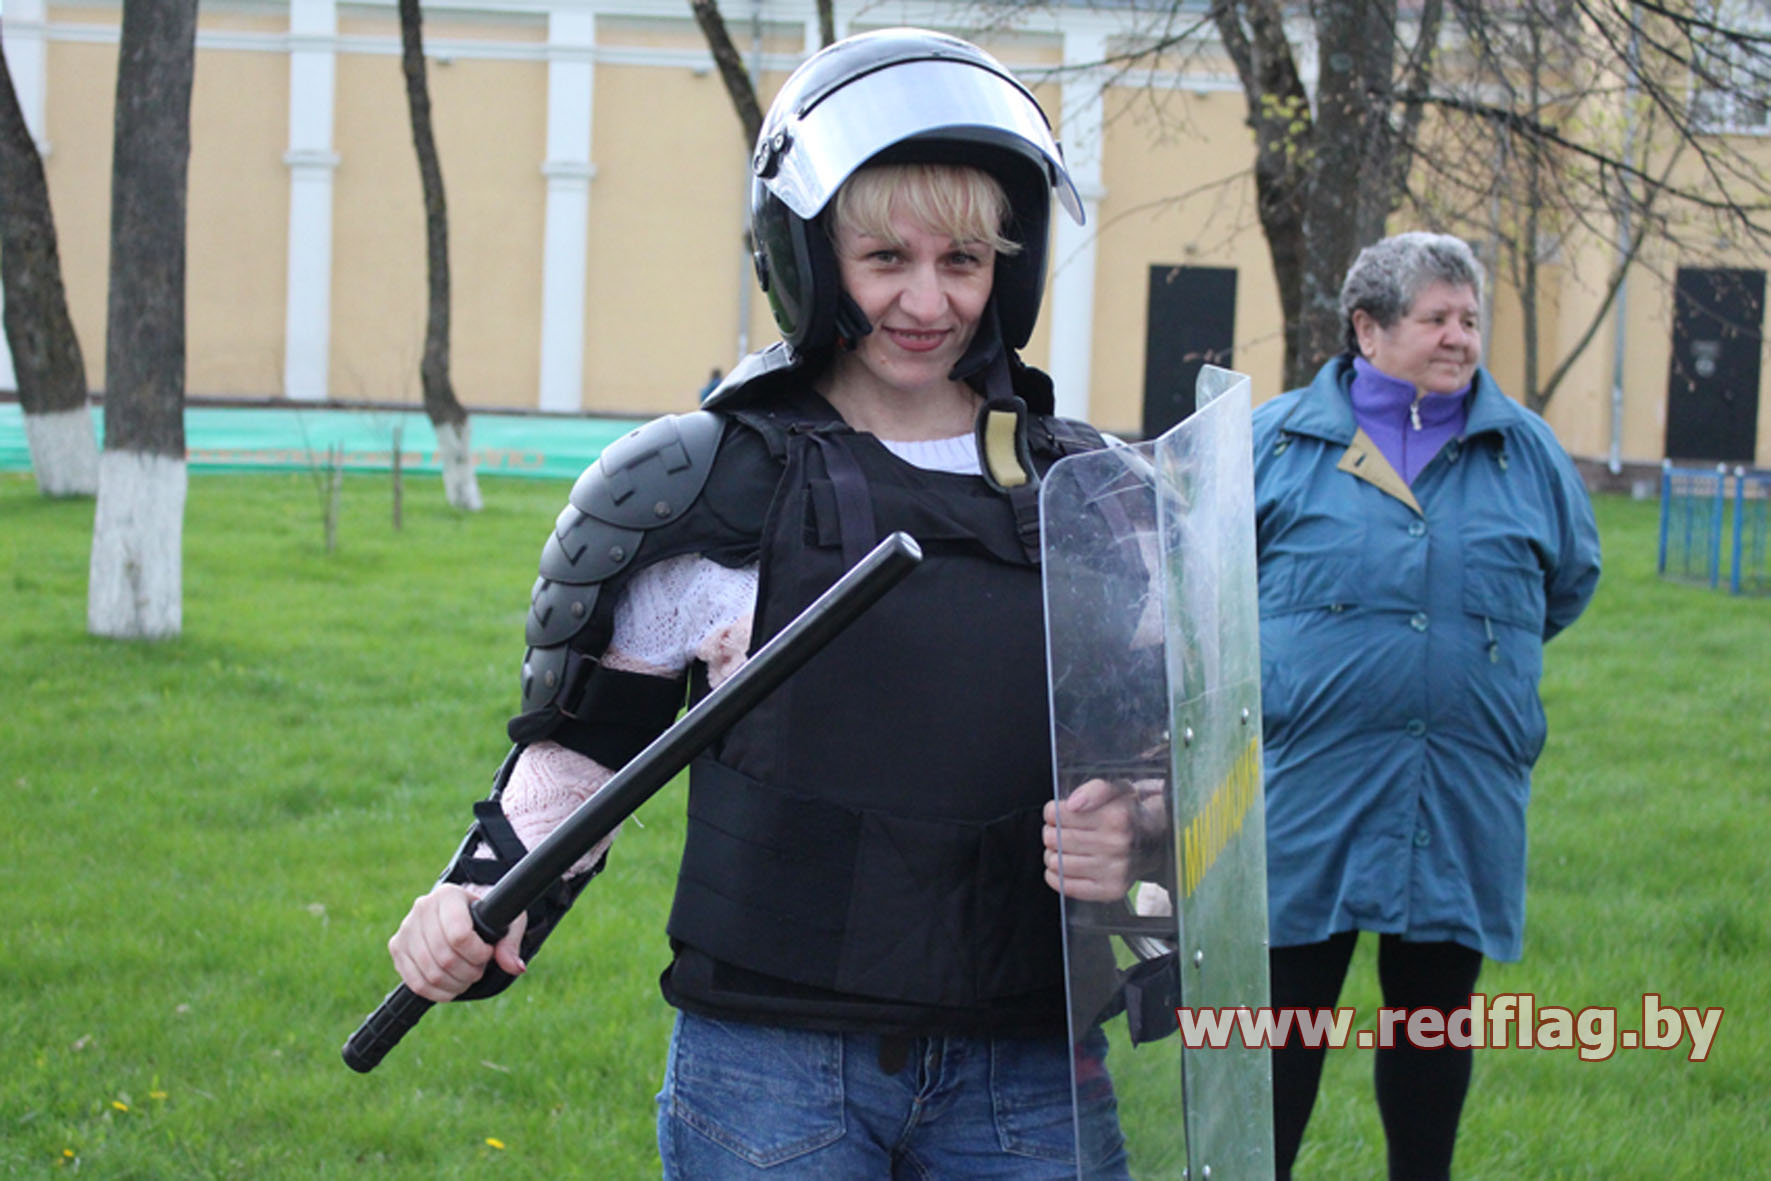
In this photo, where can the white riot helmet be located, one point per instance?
(897, 96)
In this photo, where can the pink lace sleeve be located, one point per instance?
(675, 612)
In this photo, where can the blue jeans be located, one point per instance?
(743, 1100)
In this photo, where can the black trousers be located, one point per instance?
(1420, 1092)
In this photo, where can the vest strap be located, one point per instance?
(854, 505)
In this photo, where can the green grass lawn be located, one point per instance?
(208, 841)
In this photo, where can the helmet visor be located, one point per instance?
(832, 134)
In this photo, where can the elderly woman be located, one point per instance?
(864, 957)
(1420, 536)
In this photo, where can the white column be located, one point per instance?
(27, 62)
(1070, 304)
(307, 323)
(571, 77)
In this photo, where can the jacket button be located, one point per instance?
(1416, 727)
(1419, 621)
(1417, 528)
(1422, 838)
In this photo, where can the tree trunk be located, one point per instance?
(739, 87)
(137, 532)
(45, 351)
(1348, 198)
(1279, 114)
(1327, 177)
(449, 420)
(1529, 290)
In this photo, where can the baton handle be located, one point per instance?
(803, 637)
(382, 1030)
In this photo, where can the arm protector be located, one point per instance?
(647, 479)
(493, 830)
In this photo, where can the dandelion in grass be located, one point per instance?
(119, 1105)
(495, 1142)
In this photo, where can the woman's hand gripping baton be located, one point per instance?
(650, 770)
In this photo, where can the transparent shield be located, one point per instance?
(1153, 646)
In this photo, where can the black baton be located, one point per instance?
(649, 771)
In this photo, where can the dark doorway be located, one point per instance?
(1712, 389)
(1191, 322)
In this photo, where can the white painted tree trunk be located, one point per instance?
(456, 455)
(135, 590)
(64, 452)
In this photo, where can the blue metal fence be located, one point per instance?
(1696, 505)
(1752, 494)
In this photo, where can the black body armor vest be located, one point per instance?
(863, 849)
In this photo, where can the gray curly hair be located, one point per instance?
(1387, 276)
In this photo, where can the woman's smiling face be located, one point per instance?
(1435, 344)
(924, 294)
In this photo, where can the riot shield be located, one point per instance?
(1152, 631)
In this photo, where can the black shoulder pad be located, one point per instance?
(647, 478)
(757, 377)
(649, 475)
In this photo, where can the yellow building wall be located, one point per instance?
(1177, 193)
(1711, 243)
(666, 255)
(82, 91)
(492, 154)
(668, 282)
(1580, 407)
(1584, 425)
(237, 214)
(1648, 351)
(1505, 359)
(378, 268)
(1581, 410)
(489, 118)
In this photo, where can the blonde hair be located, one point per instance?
(966, 204)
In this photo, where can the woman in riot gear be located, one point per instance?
(866, 950)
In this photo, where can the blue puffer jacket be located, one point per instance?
(1402, 633)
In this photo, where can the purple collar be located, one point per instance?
(1378, 395)
(1407, 428)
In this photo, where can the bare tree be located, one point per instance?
(1598, 120)
(1520, 124)
(134, 589)
(826, 22)
(1523, 124)
(45, 350)
(447, 417)
(740, 86)
(1328, 173)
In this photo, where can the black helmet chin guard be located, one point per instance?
(896, 96)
